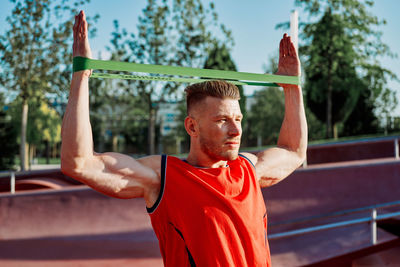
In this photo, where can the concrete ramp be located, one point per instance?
(78, 226)
(325, 189)
(75, 226)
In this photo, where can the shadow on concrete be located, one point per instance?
(138, 244)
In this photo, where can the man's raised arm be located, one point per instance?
(113, 174)
(275, 164)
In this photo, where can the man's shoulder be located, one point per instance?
(152, 162)
(249, 157)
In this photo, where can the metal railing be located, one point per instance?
(371, 219)
(12, 183)
(9, 179)
(11, 176)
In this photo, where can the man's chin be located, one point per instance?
(226, 154)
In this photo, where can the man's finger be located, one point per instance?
(77, 24)
(289, 45)
(85, 24)
(281, 49)
(293, 51)
(284, 45)
(81, 27)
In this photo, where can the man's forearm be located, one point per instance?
(293, 134)
(77, 142)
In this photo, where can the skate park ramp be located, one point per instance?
(72, 225)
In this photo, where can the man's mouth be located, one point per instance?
(232, 143)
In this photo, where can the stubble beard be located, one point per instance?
(215, 150)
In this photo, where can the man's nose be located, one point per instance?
(235, 129)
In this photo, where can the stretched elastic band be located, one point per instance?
(238, 78)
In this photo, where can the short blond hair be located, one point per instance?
(197, 92)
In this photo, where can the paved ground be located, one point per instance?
(389, 257)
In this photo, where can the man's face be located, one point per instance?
(220, 128)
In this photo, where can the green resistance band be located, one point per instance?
(238, 78)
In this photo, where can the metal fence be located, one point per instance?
(373, 219)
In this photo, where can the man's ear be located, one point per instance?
(191, 126)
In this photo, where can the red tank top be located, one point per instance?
(210, 216)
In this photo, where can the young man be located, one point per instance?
(206, 210)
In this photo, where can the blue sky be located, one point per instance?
(252, 23)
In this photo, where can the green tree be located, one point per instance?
(193, 24)
(116, 109)
(8, 137)
(48, 123)
(35, 51)
(43, 130)
(180, 131)
(332, 85)
(150, 46)
(340, 60)
(364, 109)
(266, 115)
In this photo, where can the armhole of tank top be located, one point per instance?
(162, 186)
(243, 156)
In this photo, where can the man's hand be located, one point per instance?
(81, 46)
(289, 63)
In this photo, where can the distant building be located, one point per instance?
(167, 117)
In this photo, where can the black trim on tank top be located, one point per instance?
(243, 156)
(162, 186)
(191, 260)
(265, 232)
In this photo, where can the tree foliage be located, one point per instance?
(36, 52)
(8, 137)
(341, 49)
(43, 129)
(44, 124)
(332, 83)
(266, 115)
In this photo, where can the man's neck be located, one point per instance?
(204, 161)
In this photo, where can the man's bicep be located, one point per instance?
(120, 175)
(275, 164)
